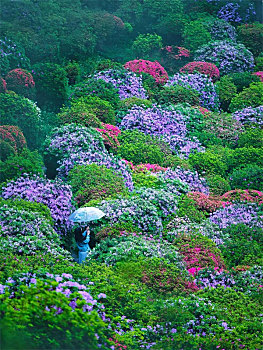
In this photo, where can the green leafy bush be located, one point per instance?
(146, 45)
(138, 148)
(251, 35)
(94, 182)
(242, 80)
(218, 185)
(251, 138)
(51, 85)
(195, 35)
(73, 72)
(79, 113)
(244, 246)
(247, 177)
(24, 113)
(187, 208)
(25, 162)
(142, 179)
(226, 90)
(207, 163)
(249, 97)
(98, 107)
(244, 156)
(6, 150)
(97, 87)
(177, 94)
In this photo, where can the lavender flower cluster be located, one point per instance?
(200, 83)
(138, 211)
(231, 12)
(186, 176)
(100, 158)
(25, 232)
(248, 214)
(229, 57)
(56, 195)
(251, 117)
(65, 284)
(73, 138)
(127, 83)
(165, 202)
(220, 29)
(168, 124)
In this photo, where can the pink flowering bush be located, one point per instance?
(260, 75)
(202, 67)
(205, 202)
(2, 85)
(174, 57)
(252, 196)
(153, 68)
(14, 136)
(110, 134)
(21, 81)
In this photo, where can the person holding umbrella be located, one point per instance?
(82, 237)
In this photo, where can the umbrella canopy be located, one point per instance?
(86, 214)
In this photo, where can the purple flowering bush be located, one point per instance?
(169, 124)
(200, 83)
(56, 195)
(250, 117)
(248, 214)
(127, 83)
(228, 56)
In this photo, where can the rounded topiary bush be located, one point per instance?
(243, 79)
(249, 97)
(153, 68)
(228, 56)
(251, 138)
(14, 136)
(247, 177)
(251, 35)
(20, 111)
(195, 35)
(21, 81)
(97, 87)
(145, 45)
(206, 68)
(178, 94)
(92, 181)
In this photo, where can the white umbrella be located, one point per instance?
(86, 214)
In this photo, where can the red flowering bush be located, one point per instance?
(204, 111)
(252, 196)
(20, 81)
(153, 68)
(14, 136)
(205, 202)
(2, 85)
(199, 252)
(202, 67)
(110, 134)
(117, 344)
(154, 168)
(174, 57)
(260, 75)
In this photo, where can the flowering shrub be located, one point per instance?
(249, 97)
(186, 176)
(65, 302)
(202, 67)
(250, 116)
(96, 87)
(153, 68)
(137, 211)
(54, 194)
(26, 232)
(229, 57)
(237, 12)
(260, 75)
(223, 126)
(127, 83)
(198, 252)
(90, 182)
(153, 168)
(132, 247)
(220, 29)
(13, 135)
(202, 84)
(12, 56)
(20, 81)
(110, 135)
(24, 113)
(2, 85)
(253, 196)
(205, 202)
(248, 214)
(97, 157)
(168, 124)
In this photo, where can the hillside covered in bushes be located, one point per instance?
(151, 111)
